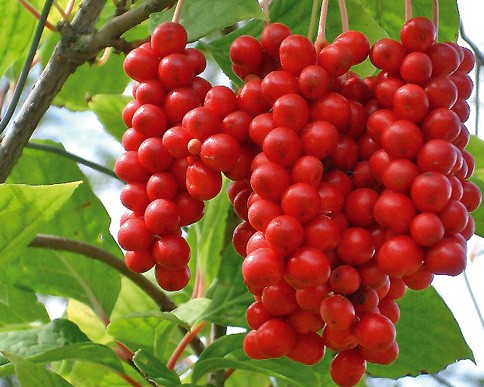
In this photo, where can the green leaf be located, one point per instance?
(229, 295)
(83, 218)
(192, 311)
(428, 336)
(84, 317)
(60, 339)
(19, 308)
(243, 378)
(476, 149)
(200, 19)
(227, 352)
(132, 300)
(108, 109)
(154, 369)
(150, 332)
(391, 15)
(207, 238)
(90, 374)
(88, 80)
(24, 210)
(34, 375)
(18, 27)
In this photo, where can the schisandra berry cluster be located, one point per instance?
(350, 190)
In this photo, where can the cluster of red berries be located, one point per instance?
(358, 189)
(350, 190)
(165, 189)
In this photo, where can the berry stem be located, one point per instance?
(29, 7)
(312, 21)
(435, 15)
(321, 39)
(187, 339)
(265, 9)
(344, 15)
(408, 9)
(69, 8)
(104, 57)
(178, 9)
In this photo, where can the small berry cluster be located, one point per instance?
(165, 189)
(358, 188)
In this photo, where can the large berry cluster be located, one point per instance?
(359, 189)
(350, 190)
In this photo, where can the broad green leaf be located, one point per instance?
(243, 378)
(90, 374)
(229, 295)
(192, 311)
(148, 332)
(227, 352)
(476, 148)
(391, 15)
(200, 19)
(34, 375)
(19, 308)
(154, 369)
(210, 236)
(428, 336)
(131, 300)
(60, 339)
(83, 218)
(108, 109)
(84, 317)
(18, 27)
(88, 80)
(24, 211)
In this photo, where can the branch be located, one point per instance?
(54, 242)
(79, 44)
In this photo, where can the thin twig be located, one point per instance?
(26, 68)
(72, 156)
(54, 242)
(479, 55)
(478, 104)
(61, 11)
(473, 298)
(187, 339)
(104, 57)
